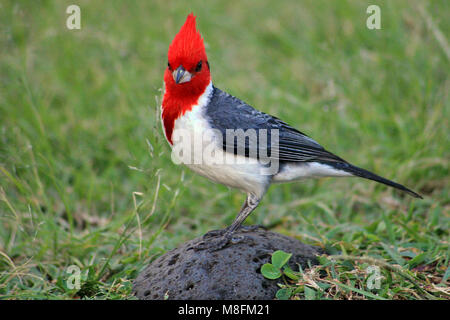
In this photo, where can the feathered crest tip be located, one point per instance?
(188, 40)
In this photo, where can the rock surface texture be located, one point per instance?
(231, 273)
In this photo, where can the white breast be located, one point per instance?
(235, 171)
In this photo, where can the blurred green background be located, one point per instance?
(85, 173)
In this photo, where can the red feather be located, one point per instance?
(187, 49)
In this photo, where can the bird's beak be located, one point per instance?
(180, 75)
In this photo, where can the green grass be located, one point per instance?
(85, 173)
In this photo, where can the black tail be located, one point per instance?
(371, 176)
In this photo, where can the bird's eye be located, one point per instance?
(199, 66)
(168, 64)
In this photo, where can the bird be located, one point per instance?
(192, 105)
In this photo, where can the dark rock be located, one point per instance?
(230, 273)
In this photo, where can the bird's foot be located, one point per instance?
(215, 233)
(219, 243)
(221, 232)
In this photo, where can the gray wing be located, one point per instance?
(227, 112)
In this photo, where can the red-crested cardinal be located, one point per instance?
(192, 105)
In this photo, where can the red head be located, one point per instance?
(187, 70)
(187, 74)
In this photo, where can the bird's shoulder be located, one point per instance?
(225, 111)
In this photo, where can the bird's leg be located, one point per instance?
(250, 204)
(226, 235)
(221, 232)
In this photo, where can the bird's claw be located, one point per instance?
(214, 233)
(215, 240)
(219, 243)
(212, 245)
(221, 232)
